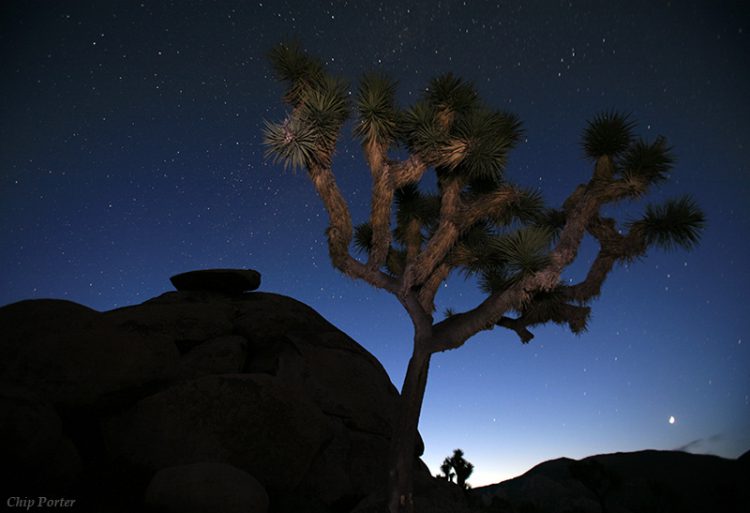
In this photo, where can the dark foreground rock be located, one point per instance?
(122, 410)
(205, 488)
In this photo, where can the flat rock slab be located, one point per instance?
(227, 281)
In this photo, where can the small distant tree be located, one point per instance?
(447, 471)
(477, 222)
(457, 466)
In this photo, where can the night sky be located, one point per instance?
(130, 150)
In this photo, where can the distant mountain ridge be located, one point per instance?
(626, 482)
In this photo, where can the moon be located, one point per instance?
(672, 420)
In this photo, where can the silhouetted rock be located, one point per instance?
(226, 281)
(634, 482)
(73, 356)
(187, 323)
(206, 487)
(257, 381)
(254, 422)
(222, 355)
(34, 452)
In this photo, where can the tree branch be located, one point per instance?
(382, 200)
(420, 316)
(339, 232)
(491, 205)
(429, 289)
(442, 240)
(574, 316)
(581, 207)
(407, 171)
(612, 247)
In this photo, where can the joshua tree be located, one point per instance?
(447, 470)
(476, 222)
(462, 468)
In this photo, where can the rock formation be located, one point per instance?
(227, 281)
(122, 409)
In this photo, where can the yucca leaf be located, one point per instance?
(495, 279)
(293, 143)
(609, 133)
(472, 253)
(292, 65)
(678, 222)
(449, 312)
(486, 137)
(324, 110)
(649, 161)
(528, 209)
(420, 132)
(553, 221)
(451, 95)
(363, 237)
(484, 185)
(378, 116)
(525, 251)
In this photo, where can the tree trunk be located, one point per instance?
(403, 442)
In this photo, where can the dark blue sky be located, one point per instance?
(130, 150)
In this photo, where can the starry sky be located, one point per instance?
(130, 150)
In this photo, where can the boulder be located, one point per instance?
(222, 355)
(226, 281)
(34, 453)
(205, 487)
(343, 382)
(186, 324)
(265, 316)
(290, 340)
(73, 356)
(257, 381)
(253, 422)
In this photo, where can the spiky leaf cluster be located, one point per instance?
(295, 67)
(319, 108)
(524, 251)
(650, 162)
(677, 223)
(608, 134)
(451, 96)
(552, 220)
(486, 137)
(292, 143)
(363, 237)
(450, 128)
(378, 115)
(412, 204)
(527, 209)
(500, 260)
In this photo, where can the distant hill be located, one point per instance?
(644, 481)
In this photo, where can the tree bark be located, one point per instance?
(400, 493)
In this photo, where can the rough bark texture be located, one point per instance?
(441, 241)
(400, 494)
